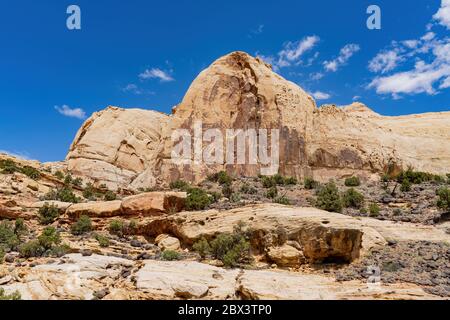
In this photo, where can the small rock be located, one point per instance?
(86, 252)
(101, 293)
(136, 243)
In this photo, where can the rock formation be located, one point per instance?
(132, 148)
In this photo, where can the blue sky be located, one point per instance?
(146, 53)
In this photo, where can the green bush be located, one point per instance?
(227, 191)
(248, 189)
(31, 249)
(68, 179)
(197, 199)
(31, 172)
(353, 199)
(49, 237)
(236, 197)
(89, 192)
(20, 228)
(221, 177)
(2, 254)
(415, 177)
(363, 210)
(180, 185)
(282, 200)
(374, 210)
(8, 238)
(82, 226)
(290, 181)
(117, 227)
(202, 247)
(444, 198)
(102, 240)
(406, 186)
(328, 198)
(78, 182)
(110, 196)
(268, 182)
(13, 296)
(59, 175)
(170, 255)
(272, 193)
(8, 166)
(64, 194)
(48, 214)
(232, 249)
(310, 183)
(352, 182)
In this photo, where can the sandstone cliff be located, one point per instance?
(132, 148)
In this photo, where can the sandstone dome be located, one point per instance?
(131, 148)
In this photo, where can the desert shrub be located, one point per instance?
(415, 177)
(49, 237)
(59, 175)
(248, 189)
(8, 166)
(268, 182)
(117, 227)
(448, 178)
(180, 185)
(8, 238)
(444, 198)
(202, 247)
(227, 191)
(48, 214)
(363, 210)
(102, 240)
(405, 186)
(89, 192)
(222, 177)
(352, 199)
(232, 249)
(282, 200)
(78, 182)
(310, 183)
(328, 198)
(170, 255)
(59, 250)
(67, 195)
(197, 199)
(68, 179)
(31, 249)
(82, 226)
(352, 182)
(2, 254)
(110, 196)
(374, 210)
(397, 212)
(272, 193)
(216, 196)
(290, 181)
(236, 197)
(64, 194)
(31, 172)
(20, 228)
(12, 296)
(279, 179)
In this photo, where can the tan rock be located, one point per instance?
(241, 92)
(95, 209)
(185, 279)
(285, 256)
(166, 242)
(154, 203)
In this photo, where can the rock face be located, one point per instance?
(320, 236)
(132, 148)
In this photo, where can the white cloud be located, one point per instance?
(428, 36)
(156, 73)
(293, 51)
(136, 89)
(443, 15)
(317, 76)
(411, 44)
(17, 154)
(356, 98)
(345, 54)
(256, 31)
(73, 113)
(319, 95)
(445, 84)
(385, 61)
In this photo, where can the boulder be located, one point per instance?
(166, 242)
(154, 203)
(95, 209)
(285, 256)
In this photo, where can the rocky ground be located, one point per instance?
(146, 244)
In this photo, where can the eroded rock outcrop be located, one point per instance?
(132, 148)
